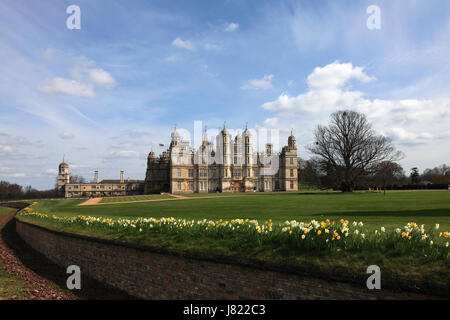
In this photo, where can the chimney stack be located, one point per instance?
(121, 176)
(95, 176)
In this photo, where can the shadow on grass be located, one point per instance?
(41, 265)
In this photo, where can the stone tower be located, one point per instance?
(63, 175)
(288, 165)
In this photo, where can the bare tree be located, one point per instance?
(387, 173)
(437, 175)
(350, 148)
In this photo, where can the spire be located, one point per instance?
(246, 125)
(224, 123)
(205, 136)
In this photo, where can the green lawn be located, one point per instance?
(10, 286)
(375, 210)
(5, 211)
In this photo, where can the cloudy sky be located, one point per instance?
(105, 94)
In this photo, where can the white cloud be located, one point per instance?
(171, 58)
(231, 26)
(406, 121)
(6, 149)
(51, 171)
(335, 75)
(125, 154)
(211, 46)
(5, 169)
(85, 77)
(66, 86)
(15, 175)
(183, 44)
(101, 78)
(66, 135)
(263, 83)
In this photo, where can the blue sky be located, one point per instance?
(107, 93)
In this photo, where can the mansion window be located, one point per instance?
(235, 159)
(236, 172)
(249, 173)
(292, 173)
(179, 172)
(203, 185)
(292, 185)
(203, 173)
(191, 186)
(179, 185)
(191, 173)
(292, 160)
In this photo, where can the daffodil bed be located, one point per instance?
(411, 252)
(312, 235)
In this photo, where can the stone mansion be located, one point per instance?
(232, 166)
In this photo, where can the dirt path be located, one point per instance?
(91, 202)
(175, 198)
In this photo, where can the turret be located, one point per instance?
(247, 146)
(175, 137)
(63, 174)
(291, 142)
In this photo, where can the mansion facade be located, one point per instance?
(230, 167)
(104, 188)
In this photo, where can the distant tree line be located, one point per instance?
(386, 176)
(13, 191)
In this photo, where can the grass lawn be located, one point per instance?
(5, 211)
(374, 209)
(10, 286)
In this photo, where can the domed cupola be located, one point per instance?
(175, 137)
(63, 166)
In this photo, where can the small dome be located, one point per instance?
(63, 164)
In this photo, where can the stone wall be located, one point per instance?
(153, 273)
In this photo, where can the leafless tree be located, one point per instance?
(350, 148)
(387, 173)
